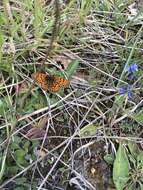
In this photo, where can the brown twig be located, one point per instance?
(54, 32)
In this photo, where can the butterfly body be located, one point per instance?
(51, 83)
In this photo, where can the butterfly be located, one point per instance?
(51, 83)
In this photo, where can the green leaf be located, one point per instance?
(109, 158)
(138, 117)
(118, 103)
(15, 146)
(140, 160)
(20, 181)
(20, 156)
(88, 130)
(38, 18)
(11, 170)
(72, 67)
(26, 146)
(121, 168)
(1, 39)
(133, 149)
(2, 105)
(6, 65)
(119, 100)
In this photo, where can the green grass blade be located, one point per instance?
(72, 67)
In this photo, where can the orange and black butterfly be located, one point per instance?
(51, 83)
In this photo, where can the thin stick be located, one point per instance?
(54, 31)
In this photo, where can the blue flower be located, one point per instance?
(132, 76)
(126, 90)
(132, 68)
(122, 91)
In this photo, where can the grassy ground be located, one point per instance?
(85, 136)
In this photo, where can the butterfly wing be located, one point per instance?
(58, 83)
(50, 83)
(40, 78)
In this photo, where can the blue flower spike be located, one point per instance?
(122, 90)
(132, 68)
(129, 92)
(131, 75)
(126, 90)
